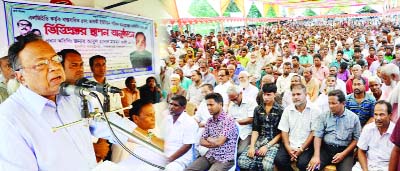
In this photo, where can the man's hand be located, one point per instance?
(169, 159)
(263, 150)
(293, 157)
(314, 163)
(101, 149)
(298, 152)
(251, 152)
(338, 157)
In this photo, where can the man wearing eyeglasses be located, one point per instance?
(180, 134)
(242, 110)
(30, 114)
(224, 83)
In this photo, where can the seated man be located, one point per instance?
(265, 136)
(143, 115)
(336, 135)
(374, 145)
(130, 93)
(242, 110)
(180, 134)
(298, 122)
(221, 140)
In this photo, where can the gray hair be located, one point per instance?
(390, 69)
(374, 78)
(233, 90)
(268, 78)
(245, 73)
(357, 66)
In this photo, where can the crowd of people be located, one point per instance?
(264, 98)
(315, 95)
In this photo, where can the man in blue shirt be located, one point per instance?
(361, 103)
(336, 135)
(28, 116)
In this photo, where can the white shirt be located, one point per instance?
(378, 146)
(202, 114)
(283, 83)
(394, 100)
(340, 84)
(221, 89)
(194, 94)
(250, 91)
(322, 102)
(187, 70)
(374, 66)
(183, 131)
(245, 110)
(299, 125)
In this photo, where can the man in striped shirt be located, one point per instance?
(361, 103)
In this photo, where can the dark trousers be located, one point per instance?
(282, 159)
(327, 153)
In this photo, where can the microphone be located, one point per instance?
(67, 90)
(94, 86)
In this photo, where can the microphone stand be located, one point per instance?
(85, 109)
(106, 103)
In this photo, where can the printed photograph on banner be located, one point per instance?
(126, 41)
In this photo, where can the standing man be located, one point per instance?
(31, 144)
(221, 140)
(98, 67)
(141, 58)
(298, 123)
(73, 66)
(336, 135)
(180, 134)
(374, 145)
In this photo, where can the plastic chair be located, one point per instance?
(235, 165)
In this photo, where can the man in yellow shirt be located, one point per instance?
(242, 57)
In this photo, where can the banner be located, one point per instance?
(126, 41)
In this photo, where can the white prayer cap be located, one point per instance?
(3, 51)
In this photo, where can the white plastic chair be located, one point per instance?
(235, 164)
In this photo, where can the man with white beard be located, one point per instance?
(390, 77)
(9, 84)
(248, 90)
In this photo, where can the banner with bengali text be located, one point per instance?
(126, 41)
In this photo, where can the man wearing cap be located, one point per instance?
(6, 72)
